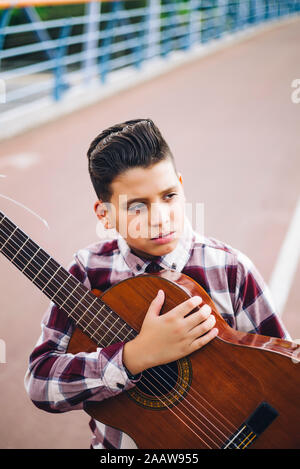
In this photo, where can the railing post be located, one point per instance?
(3, 23)
(232, 15)
(93, 9)
(259, 10)
(278, 8)
(139, 51)
(193, 24)
(243, 13)
(168, 29)
(105, 56)
(202, 22)
(153, 46)
(59, 83)
(266, 15)
(238, 14)
(200, 16)
(205, 20)
(271, 8)
(222, 13)
(41, 34)
(252, 12)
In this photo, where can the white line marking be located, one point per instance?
(26, 208)
(287, 261)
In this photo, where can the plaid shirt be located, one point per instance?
(57, 381)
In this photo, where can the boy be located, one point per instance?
(141, 197)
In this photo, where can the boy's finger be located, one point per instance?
(187, 306)
(204, 339)
(204, 327)
(198, 317)
(156, 303)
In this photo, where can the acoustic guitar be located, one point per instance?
(239, 391)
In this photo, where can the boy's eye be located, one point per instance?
(140, 206)
(171, 195)
(136, 207)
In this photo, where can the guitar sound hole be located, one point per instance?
(163, 386)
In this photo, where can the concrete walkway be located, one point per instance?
(234, 130)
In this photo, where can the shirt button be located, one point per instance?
(120, 386)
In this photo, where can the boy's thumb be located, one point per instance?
(156, 303)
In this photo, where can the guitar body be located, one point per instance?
(204, 400)
(241, 390)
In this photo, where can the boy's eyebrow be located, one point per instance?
(142, 199)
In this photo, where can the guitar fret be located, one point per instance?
(50, 279)
(2, 220)
(8, 238)
(108, 328)
(30, 260)
(41, 269)
(78, 303)
(128, 333)
(94, 317)
(62, 285)
(67, 292)
(20, 249)
(112, 337)
(72, 292)
(121, 327)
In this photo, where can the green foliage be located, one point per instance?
(55, 12)
(47, 13)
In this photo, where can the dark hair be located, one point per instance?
(123, 146)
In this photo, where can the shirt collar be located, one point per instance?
(175, 260)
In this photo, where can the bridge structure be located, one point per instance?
(103, 46)
(220, 78)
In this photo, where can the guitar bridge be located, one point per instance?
(254, 426)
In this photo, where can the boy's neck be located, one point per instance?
(144, 255)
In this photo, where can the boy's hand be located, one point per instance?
(163, 339)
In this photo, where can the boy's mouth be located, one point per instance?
(163, 238)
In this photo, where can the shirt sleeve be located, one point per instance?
(254, 308)
(57, 381)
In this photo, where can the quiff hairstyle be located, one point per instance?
(130, 144)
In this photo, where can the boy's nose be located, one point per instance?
(160, 215)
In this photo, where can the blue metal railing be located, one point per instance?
(114, 39)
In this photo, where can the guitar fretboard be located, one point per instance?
(91, 314)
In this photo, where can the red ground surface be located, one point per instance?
(234, 130)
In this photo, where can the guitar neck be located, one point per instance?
(90, 314)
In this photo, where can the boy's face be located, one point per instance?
(147, 208)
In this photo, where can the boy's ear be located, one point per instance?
(102, 214)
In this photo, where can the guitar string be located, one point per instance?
(159, 381)
(176, 414)
(154, 370)
(175, 376)
(163, 370)
(199, 429)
